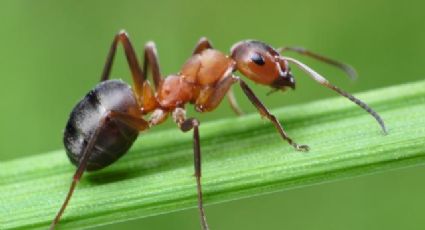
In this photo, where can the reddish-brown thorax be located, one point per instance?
(195, 83)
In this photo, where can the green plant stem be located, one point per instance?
(242, 157)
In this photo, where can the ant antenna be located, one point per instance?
(348, 69)
(323, 81)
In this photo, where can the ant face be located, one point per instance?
(262, 64)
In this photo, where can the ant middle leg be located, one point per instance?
(265, 112)
(202, 45)
(179, 115)
(151, 61)
(144, 93)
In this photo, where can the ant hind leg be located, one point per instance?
(136, 72)
(130, 120)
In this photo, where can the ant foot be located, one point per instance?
(302, 148)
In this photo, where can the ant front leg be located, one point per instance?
(234, 103)
(128, 119)
(179, 115)
(210, 98)
(204, 44)
(265, 112)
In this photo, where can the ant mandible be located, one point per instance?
(106, 122)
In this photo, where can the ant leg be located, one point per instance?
(129, 119)
(138, 123)
(202, 45)
(158, 116)
(265, 112)
(185, 125)
(234, 103)
(148, 99)
(79, 172)
(151, 61)
(210, 98)
(323, 81)
(349, 70)
(137, 73)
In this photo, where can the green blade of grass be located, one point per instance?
(242, 157)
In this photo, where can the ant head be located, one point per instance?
(262, 64)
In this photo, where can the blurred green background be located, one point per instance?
(52, 53)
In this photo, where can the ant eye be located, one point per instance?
(257, 59)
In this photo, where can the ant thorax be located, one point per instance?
(196, 81)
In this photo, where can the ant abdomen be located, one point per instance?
(115, 137)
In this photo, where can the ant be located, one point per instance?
(106, 122)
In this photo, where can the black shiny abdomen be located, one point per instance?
(114, 138)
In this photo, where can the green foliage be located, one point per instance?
(242, 157)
